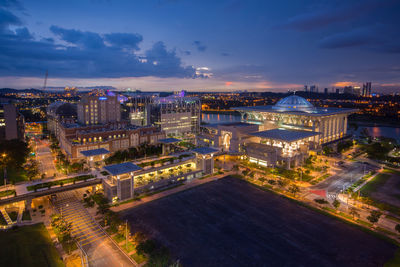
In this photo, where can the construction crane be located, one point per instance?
(45, 80)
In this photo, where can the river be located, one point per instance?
(374, 131)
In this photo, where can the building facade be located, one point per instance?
(176, 115)
(12, 123)
(296, 113)
(74, 138)
(95, 109)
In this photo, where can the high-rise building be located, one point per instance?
(366, 91)
(357, 90)
(94, 109)
(305, 88)
(313, 89)
(12, 123)
(176, 115)
(326, 91)
(348, 90)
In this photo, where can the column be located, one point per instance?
(345, 126)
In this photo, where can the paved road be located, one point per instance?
(44, 157)
(351, 173)
(98, 246)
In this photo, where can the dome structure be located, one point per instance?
(294, 103)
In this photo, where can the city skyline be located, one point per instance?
(229, 45)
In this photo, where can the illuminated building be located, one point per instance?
(11, 122)
(99, 109)
(176, 115)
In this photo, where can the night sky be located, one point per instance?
(200, 45)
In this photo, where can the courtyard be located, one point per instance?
(229, 222)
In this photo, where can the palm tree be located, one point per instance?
(353, 212)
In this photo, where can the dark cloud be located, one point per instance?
(7, 18)
(89, 40)
(82, 54)
(224, 54)
(339, 12)
(380, 38)
(125, 40)
(187, 53)
(200, 46)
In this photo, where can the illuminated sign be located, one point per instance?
(102, 98)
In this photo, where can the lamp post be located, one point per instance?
(5, 169)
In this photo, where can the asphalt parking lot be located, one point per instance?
(229, 222)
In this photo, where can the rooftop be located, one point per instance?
(121, 168)
(314, 112)
(205, 150)
(95, 152)
(284, 135)
(231, 124)
(169, 140)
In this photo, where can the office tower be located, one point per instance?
(176, 115)
(366, 91)
(12, 123)
(357, 90)
(337, 91)
(348, 90)
(326, 91)
(305, 88)
(94, 109)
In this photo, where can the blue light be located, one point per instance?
(102, 98)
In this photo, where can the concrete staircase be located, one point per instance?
(6, 216)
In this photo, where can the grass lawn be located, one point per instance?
(28, 246)
(14, 176)
(138, 258)
(373, 185)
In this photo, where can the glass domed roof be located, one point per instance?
(294, 103)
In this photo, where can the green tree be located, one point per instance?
(336, 203)
(353, 212)
(294, 189)
(374, 216)
(397, 228)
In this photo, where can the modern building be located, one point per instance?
(60, 112)
(176, 114)
(126, 179)
(366, 90)
(99, 109)
(283, 134)
(75, 138)
(228, 137)
(12, 123)
(296, 113)
(140, 106)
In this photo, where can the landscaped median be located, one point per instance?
(62, 182)
(7, 193)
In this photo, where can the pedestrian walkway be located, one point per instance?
(97, 245)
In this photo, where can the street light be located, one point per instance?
(5, 169)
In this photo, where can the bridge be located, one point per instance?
(29, 196)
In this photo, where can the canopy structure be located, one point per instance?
(95, 152)
(284, 135)
(121, 168)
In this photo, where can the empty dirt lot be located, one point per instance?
(231, 223)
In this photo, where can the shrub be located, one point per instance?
(321, 201)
